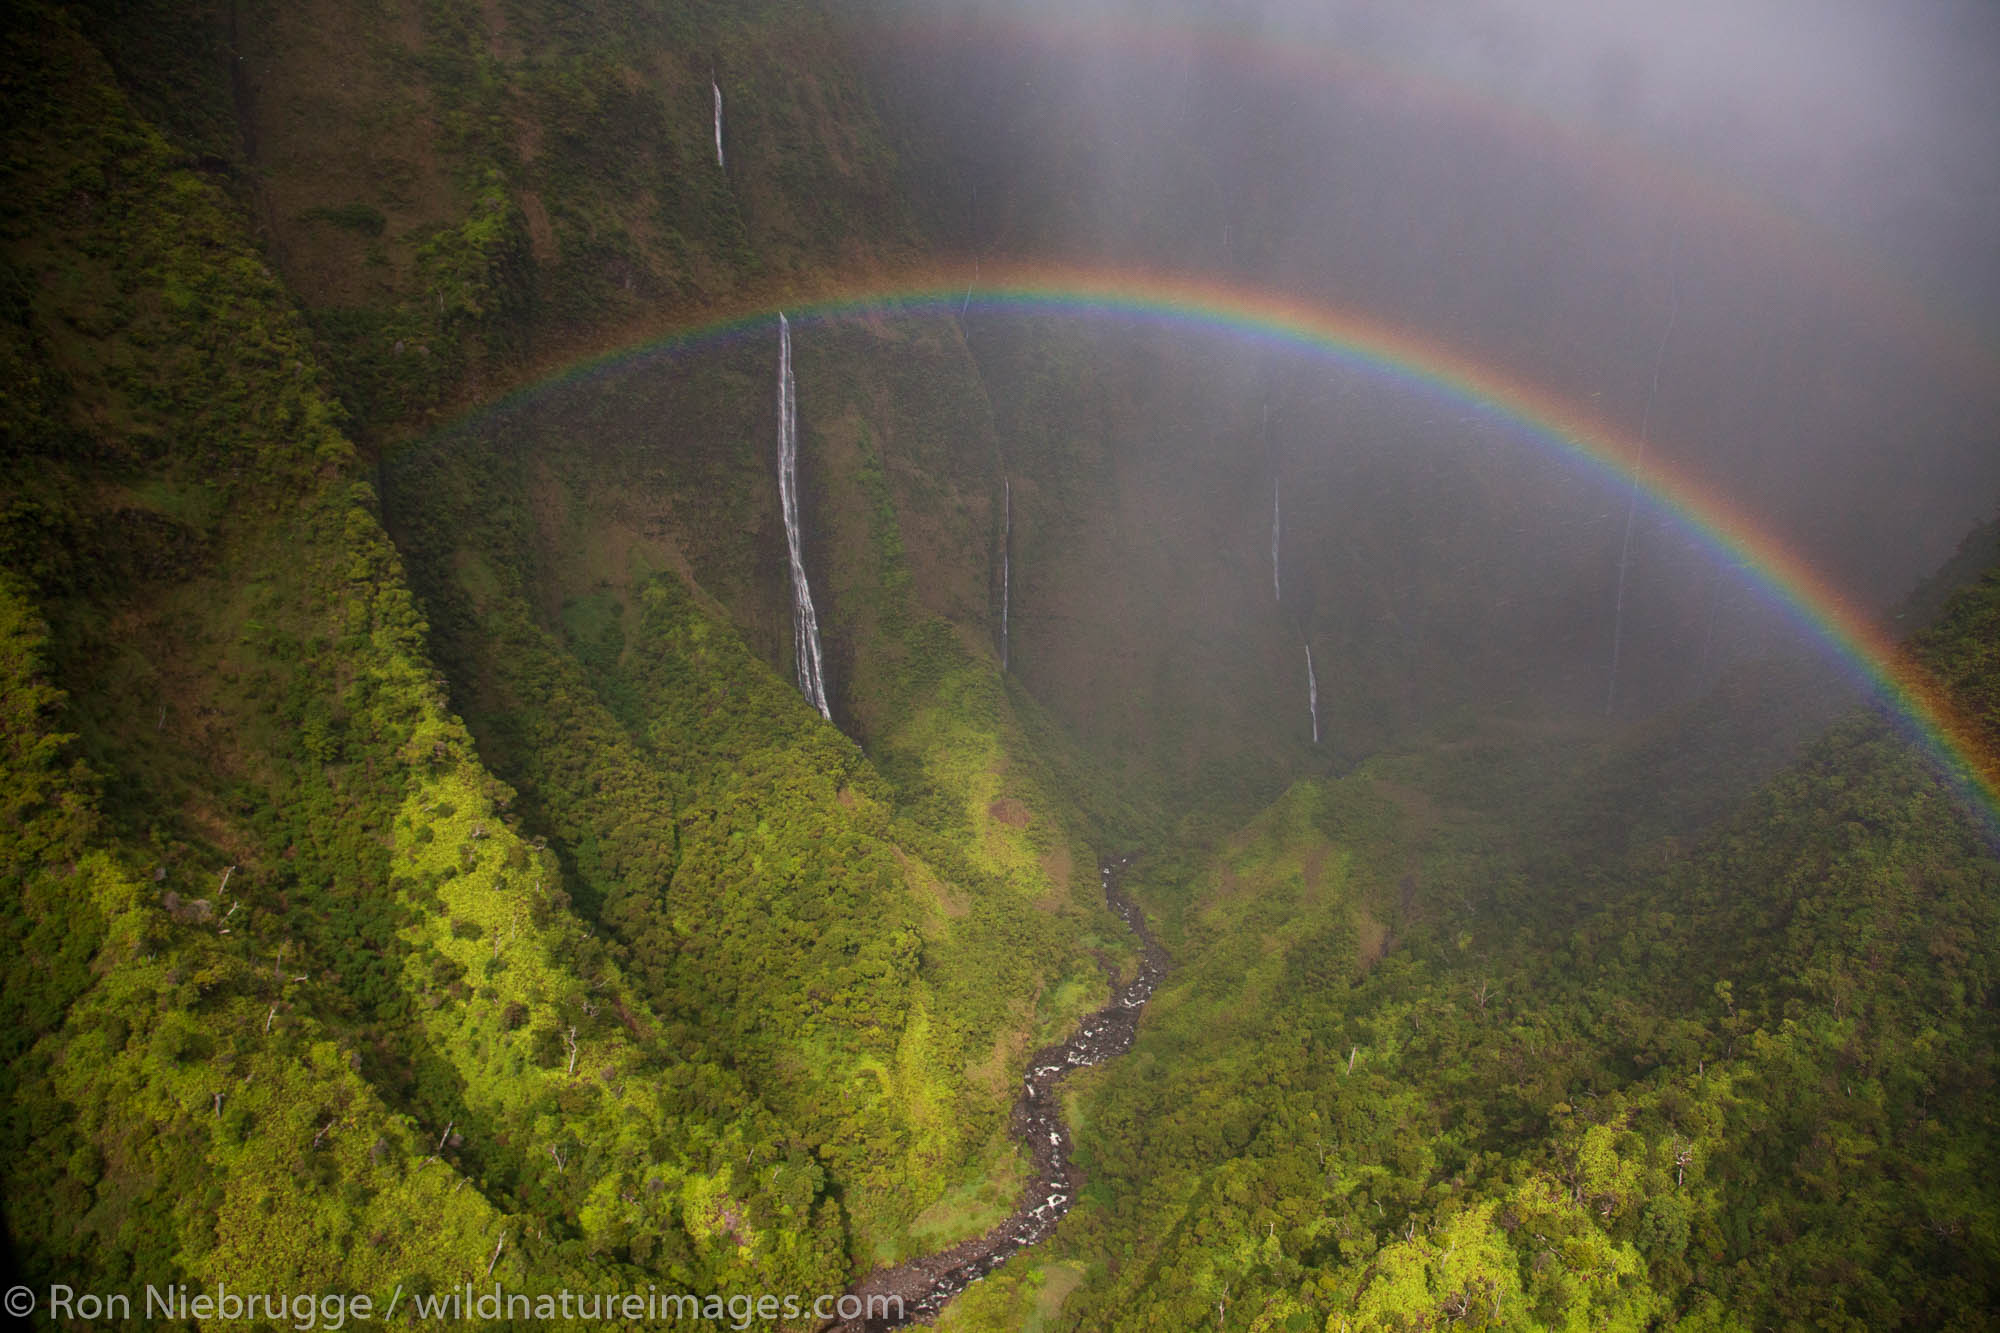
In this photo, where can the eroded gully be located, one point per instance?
(927, 1284)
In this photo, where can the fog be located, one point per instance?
(1761, 233)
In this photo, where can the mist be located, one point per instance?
(1106, 664)
(1757, 235)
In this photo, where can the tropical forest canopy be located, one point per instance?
(423, 866)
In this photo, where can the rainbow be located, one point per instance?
(1425, 365)
(1785, 236)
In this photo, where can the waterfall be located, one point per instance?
(1277, 528)
(1006, 562)
(1312, 692)
(1277, 513)
(805, 624)
(716, 88)
(1632, 500)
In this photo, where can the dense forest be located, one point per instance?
(423, 867)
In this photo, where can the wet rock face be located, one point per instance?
(926, 1285)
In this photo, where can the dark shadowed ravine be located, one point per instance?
(926, 1285)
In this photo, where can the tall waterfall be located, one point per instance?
(1277, 528)
(1632, 500)
(1312, 692)
(805, 624)
(1006, 563)
(716, 88)
(1277, 511)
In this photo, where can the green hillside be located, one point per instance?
(423, 869)
(1438, 1053)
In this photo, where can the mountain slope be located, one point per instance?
(390, 959)
(1434, 1054)
(427, 872)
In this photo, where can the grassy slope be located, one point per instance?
(181, 1113)
(303, 742)
(249, 683)
(386, 990)
(461, 192)
(1440, 1048)
(465, 196)
(875, 943)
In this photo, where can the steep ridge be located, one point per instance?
(550, 185)
(307, 904)
(550, 190)
(428, 872)
(329, 984)
(958, 932)
(1445, 1044)
(715, 829)
(918, 1290)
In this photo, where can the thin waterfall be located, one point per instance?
(1708, 634)
(1277, 528)
(805, 624)
(1277, 512)
(1718, 587)
(967, 302)
(1006, 563)
(1312, 692)
(716, 88)
(1632, 500)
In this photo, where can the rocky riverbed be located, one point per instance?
(927, 1284)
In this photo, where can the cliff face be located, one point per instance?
(400, 904)
(464, 195)
(466, 201)
(429, 872)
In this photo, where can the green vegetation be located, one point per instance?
(300, 977)
(1433, 1056)
(864, 941)
(422, 869)
(710, 1000)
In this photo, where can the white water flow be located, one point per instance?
(1632, 501)
(1006, 562)
(717, 89)
(1277, 528)
(805, 624)
(1277, 512)
(1312, 692)
(1708, 634)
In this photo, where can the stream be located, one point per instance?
(927, 1284)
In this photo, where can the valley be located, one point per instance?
(1138, 668)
